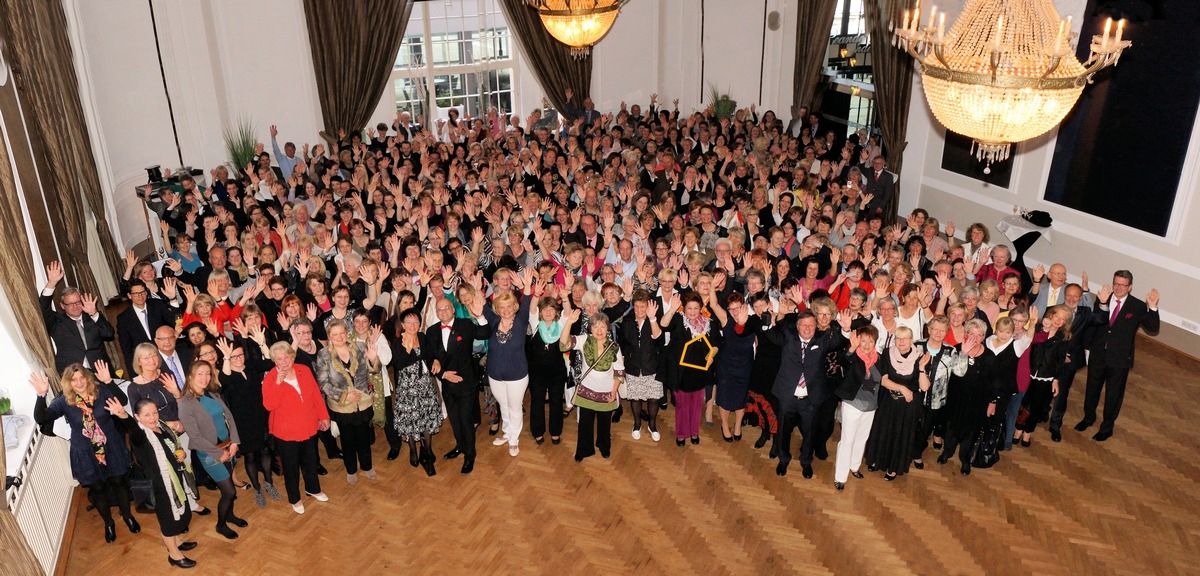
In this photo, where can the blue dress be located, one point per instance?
(735, 363)
(216, 469)
(86, 469)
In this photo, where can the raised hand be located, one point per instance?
(40, 383)
(89, 304)
(1039, 272)
(1152, 298)
(925, 361)
(274, 131)
(168, 381)
(844, 319)
(225, 346)
(239, 327)
(1104, 293)
(572, 316)
(54, 274)
(311, 312)
(103, 375)
(115, 408)
(210, 324)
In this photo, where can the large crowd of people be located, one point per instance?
(601, 270)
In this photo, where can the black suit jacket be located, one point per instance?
(64, 332)
(129, 328)
(457, 357)
(1112, 345)
(883, 188)
(810, 362)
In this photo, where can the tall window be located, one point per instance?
(849, 18)
(456, 54)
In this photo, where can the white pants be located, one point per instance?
(510, 395)
(856, 427)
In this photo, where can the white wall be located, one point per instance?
(1082, 241)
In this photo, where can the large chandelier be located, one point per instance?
(1006, 72)
(578, 23)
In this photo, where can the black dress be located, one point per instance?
(243, 395)
(735, 364)
(690, 379)
(967, 396)
(140, 439)
(889, 447)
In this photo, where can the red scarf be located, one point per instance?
(869, 358)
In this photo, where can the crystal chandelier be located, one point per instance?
(578, 23)
(1006, 72)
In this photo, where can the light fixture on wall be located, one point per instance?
(578, 23)
(1005, 72)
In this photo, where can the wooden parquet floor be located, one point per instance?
(1126, 506)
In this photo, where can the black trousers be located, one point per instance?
(104, 494)
(595, 432)
(967, 441)
(539, 385)
(461, 399)
(329, 442)
(1066, 377)
(796, 413)
(299, 459)
(823, 425)
(389, 428)
(1112, 382)
(933, 423)
(357, 437)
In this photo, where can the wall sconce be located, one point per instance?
(854, 90)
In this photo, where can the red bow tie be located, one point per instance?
(446, 327)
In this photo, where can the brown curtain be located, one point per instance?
(813, 21)
(553, 65)
(893, 71)
(354, 46)
(44, 74)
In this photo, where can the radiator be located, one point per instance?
(43, 501)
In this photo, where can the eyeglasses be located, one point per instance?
(73, 303)
(236, 356)
(138, 293)
(1114, 286)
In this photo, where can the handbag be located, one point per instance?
(379, 402)
(987, 449)
(1022, 415)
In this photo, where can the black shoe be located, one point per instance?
(695, 439)
(937, 445)
(919, 464)
(239, 522)
(856, 474)
(1083, 425)
(839, 485)
(335, 455)
(184, 562)
(427, 459)
(468, 465)
(871, 468)
(204, 512)
(965, 470)
(662, 404)
(1102, 436)
(821, 453)
(762, 440)
(773, 454)
(110, 533)
(321, 471)
(679, 441)
(781, 469)
(616, 415)
(604, 454)
(413, 457)
(737, 437)
(393, 454)
(890, 477)
(455, 453)
(493, 429)
(227, 532)
(943, 459)
(185, 546)
(540, 440)
(1026, 443)
(133, 525)
(555, 441)
(726, 438)
(578, 458)
(806, 470)
(1056, 436)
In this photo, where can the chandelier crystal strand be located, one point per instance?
(1005, 72)
(578, 23)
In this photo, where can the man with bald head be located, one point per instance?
(1049, 288)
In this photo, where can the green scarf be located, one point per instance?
(598, 360)
(550, 332)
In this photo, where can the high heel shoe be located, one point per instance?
(184, 562)
(413, 457)
(919, 464)
(679, 442)
(493, 429)
(204, 512)
(889, 477)
(737, 437)
(726, 438)
(937, 445)
(695, 439)
(427, 459)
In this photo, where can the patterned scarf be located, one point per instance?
(163, 440)
(90, 430)
(599, 360)
(697, 327)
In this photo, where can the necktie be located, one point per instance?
(174, 366)
(1116, 312)
(802, 386)
(141, 314)
(1053, 297)
(83, 338)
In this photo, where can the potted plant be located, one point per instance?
(240, 141)
(723, 106)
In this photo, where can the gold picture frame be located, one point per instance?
(703, 338)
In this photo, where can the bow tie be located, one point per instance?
(447, 327)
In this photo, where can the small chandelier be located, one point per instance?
(578, 23)
(1006, 72)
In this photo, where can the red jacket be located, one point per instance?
(294, 417)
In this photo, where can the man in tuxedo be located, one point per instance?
(1081, 322)
(76, 328)
(138, 323)
(449, 355)
(1116, 322)
(800, 385)
(881, 185)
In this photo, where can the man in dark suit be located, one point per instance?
(76, 328)
(448, 353)
(587, 234)
(881, 185)
(800, 385)
(1116, 322)
(1081, 322)
(138, 323)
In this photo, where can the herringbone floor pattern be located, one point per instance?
(1127, 506)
